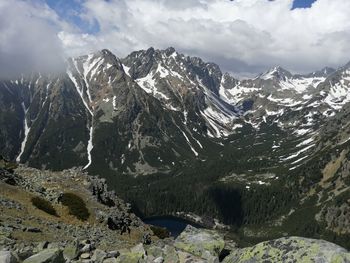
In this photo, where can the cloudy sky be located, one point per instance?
(242, 36)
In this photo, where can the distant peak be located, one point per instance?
(328, 70)
(276, 72)
(323, 73)
(106, 52)
(169, 51)
(279, 69)
(150, 50)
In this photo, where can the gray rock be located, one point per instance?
(85, 256)
(110, 260)
(46, 256)
(200, 242)
(99, 255)
(53, 245)
(7, 257)
(139, 249)
(42, 245)
(290, 249)
(170, 254)
(25, 252)
(86, 249)
(71, 251)
(146, 239)
(159, 260)
(113, 254)
(134, 255)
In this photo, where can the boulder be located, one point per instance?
(110, 260)
(86, 249)
(85, 256)
(291, 249)
(138, 249)
(7, 257)
(98, 256)
(42, 245)
(185, 257)
(200, 242)
(159, 260)
(46, 256)
(71, 251)
(134, 255)
(25, 252)
(170, 254)
(146, 239)
(113, 254)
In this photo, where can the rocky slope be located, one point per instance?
(62, 206)
(52, 231)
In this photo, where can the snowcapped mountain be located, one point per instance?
(156, 109)
(183, 84)
(165, 126)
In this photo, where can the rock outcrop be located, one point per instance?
(290, 249)
(46, 256)
(202, 243)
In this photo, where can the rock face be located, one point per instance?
(46, 256)
(290, 249)
(7, 257)
(202, 243)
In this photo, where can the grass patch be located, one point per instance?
(44, 205)
(9, 166)
(76, 206)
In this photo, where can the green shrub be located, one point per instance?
(44, 205)
(160, 232)
(76, 206)
(9, 166)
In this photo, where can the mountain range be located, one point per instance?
(172, 133)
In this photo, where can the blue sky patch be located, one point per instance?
(71, 11)
(303, 3)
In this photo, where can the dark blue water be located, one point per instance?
(174, 225)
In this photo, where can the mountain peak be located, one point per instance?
(106, 52)
(276, 72)
(325, 72)
(169, 51)
(150, 51)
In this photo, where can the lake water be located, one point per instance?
(174, 225)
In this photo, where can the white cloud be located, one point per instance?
(240, 35)
(28, 37)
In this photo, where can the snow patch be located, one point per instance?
(126, 70)
(26, 132)
(306, 142)
(114, 102)
(189, 143)
(297, 153)
(79, 91)
(148, 85)
(89, 148)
